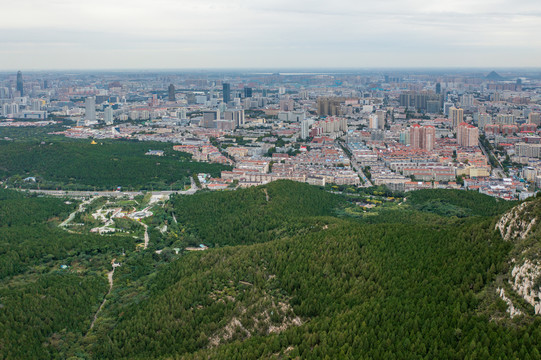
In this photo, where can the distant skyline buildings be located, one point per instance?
(226, 89)
(171, 92)
(20, 86)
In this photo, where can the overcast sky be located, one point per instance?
(174, 34)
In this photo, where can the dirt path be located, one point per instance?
(266, 194)
(110, 279)
(81, 208)
(147, 238)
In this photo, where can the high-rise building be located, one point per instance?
(415, 136)
(467, 100)
(90, 109)
(305, 128)
(429, 137)
(438, 88)
(505, 119)
(405, 100)
(226, 88)
(108, 115)
(247, 92)
(182, 114)
(467, 135)
(373, 122)
(330, 106)
(235, 116)
(433, 106)
(422, 137)
(10, 109)
(484, 120)
(381, 118)
(456, 116)
(36, 105)
(210, 117)
(171, 92)
(20, 83)
(446, 107)
(404, 137)
(534, 118)
(287, 104)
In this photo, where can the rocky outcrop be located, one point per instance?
(510, 307)
(517, 223)
(524, 279)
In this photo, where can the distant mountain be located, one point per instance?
(494, 76)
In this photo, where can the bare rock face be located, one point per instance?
(523, 280)
(517, 223)
(510, 307)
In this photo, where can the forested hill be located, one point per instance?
(294, 272)
(316, 285)
(106, 165)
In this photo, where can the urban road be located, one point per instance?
(86, 194)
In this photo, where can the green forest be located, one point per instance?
(291, 271)
(81, 165)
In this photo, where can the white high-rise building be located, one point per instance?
(108, 116)
(305, 128)
(90, 109)
(373, 122)
(10, 109)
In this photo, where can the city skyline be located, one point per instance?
(208, 34)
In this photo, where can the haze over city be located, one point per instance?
(170, 34)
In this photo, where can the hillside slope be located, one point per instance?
(322, 287)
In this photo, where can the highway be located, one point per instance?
(85, 194)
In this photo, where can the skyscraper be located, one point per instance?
(456, 116)
(247, 92)
(171, 91)
(20, 83)
(90, 109)
(226, 92)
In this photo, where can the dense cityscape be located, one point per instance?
(407, 130)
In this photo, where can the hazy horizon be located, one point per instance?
(203, 34)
